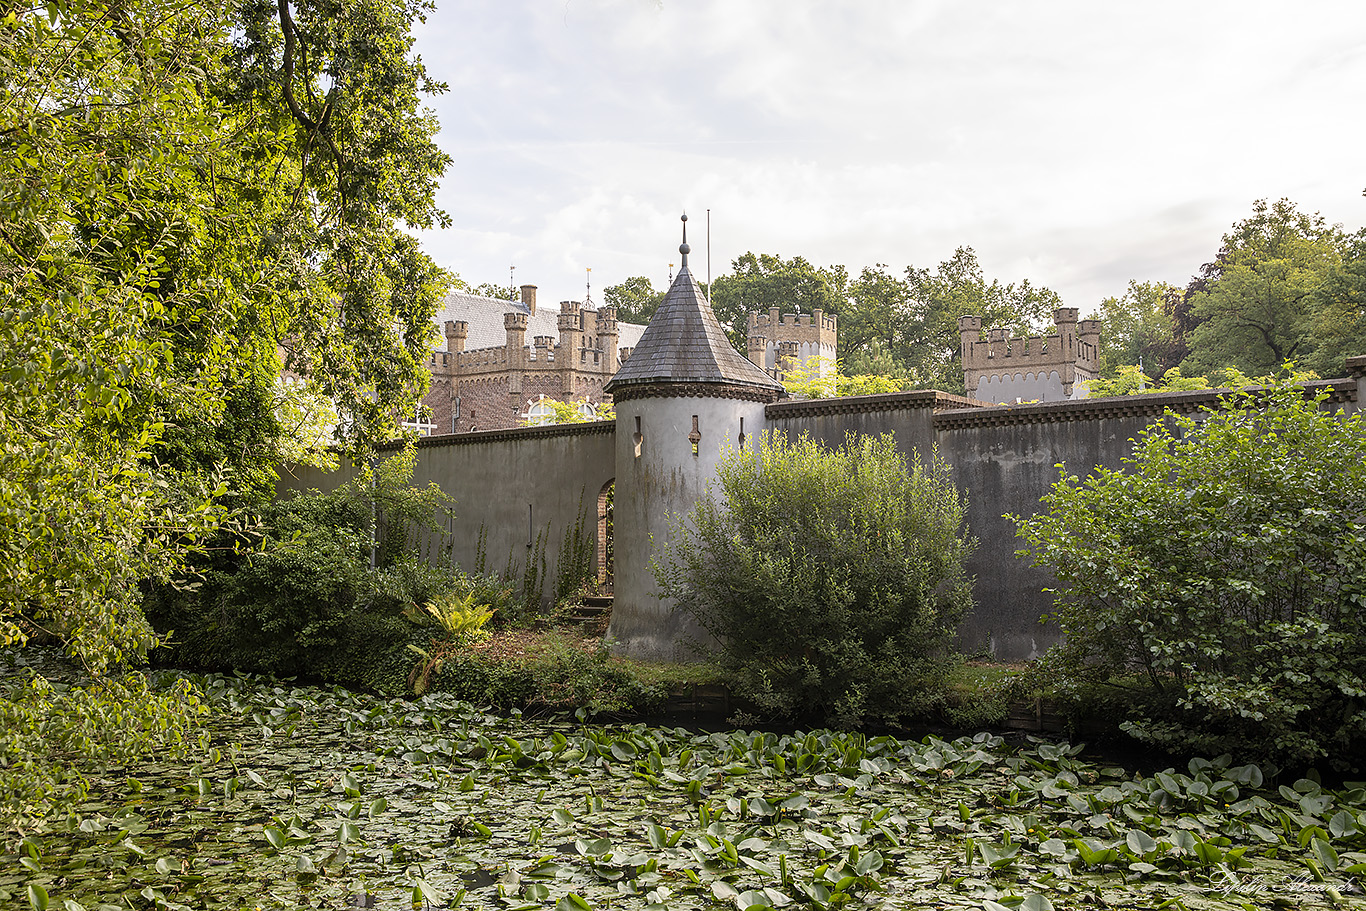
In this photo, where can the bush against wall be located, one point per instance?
(322, 593)
(1226, 566)
(832, 578)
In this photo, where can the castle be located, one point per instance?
(780, 343)
(684, 397)
(1039, 368)
(489, 377)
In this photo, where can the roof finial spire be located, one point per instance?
(683, 248)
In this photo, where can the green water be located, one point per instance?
(321, 798)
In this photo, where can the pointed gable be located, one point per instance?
(685, 346)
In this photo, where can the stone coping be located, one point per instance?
(1356, 366)
(855, 404)
(693, 389)
(586, 428)
(1122, 406)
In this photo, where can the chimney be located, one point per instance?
(456, 333)
(529, 298)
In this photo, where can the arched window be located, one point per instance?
(538, 413)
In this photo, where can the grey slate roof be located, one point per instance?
(684, 343)
(485, 316)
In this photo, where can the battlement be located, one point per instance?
(1001, 368)
(776, 342)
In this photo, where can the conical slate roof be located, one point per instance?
(684, 345)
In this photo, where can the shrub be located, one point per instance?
(306, 601)
(1226, 565)
(557, 675)
(833, 579)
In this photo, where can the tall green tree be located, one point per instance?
(1138, 329)
(759, 282)
(636, 299)
(879, 321)
(1259, 308)
(196, 198)
(1338, 323)
(959, 287)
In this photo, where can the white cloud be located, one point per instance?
(1072, 143)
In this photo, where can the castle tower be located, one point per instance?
(682, 400)
(1041, 368)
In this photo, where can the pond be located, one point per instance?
(320, 798)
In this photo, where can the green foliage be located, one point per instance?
(559, 675)
(833, 579)
(804, 380)
(914, 318)
(1139, 327)
(55, 735)
(635, 298)
(581, 411)
(760, 282)
(1130, 380)
(366, 801)
(190, 194)
(1225, 563)
(462, 616)
(318, 595)
(1264, 303)
(574, 565)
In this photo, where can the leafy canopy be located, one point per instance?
(1226, 563)
(833, 578)
(196, 197)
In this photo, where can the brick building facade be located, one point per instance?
(502, 357)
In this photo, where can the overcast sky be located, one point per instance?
(1076, 144)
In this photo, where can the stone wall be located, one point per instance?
(515, 485)
(518, 484)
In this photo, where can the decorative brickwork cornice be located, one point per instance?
(586, 428)
(654, 390)
(1124, 406)
(1356, 366)
(856, 404)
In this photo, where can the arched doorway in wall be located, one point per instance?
(605, 536)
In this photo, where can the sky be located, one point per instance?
(1075, 144)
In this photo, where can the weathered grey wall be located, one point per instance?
(907, 415)
(515, 484)
(1005, 459)
(539, 481)
(659, 480)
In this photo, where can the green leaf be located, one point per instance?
(752, 899)
(1140, 842)
(1327, 857)
(572, 902)
(724, 891)
(1342, 823)
(427, 891)
(37, 897)
(275, 837)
